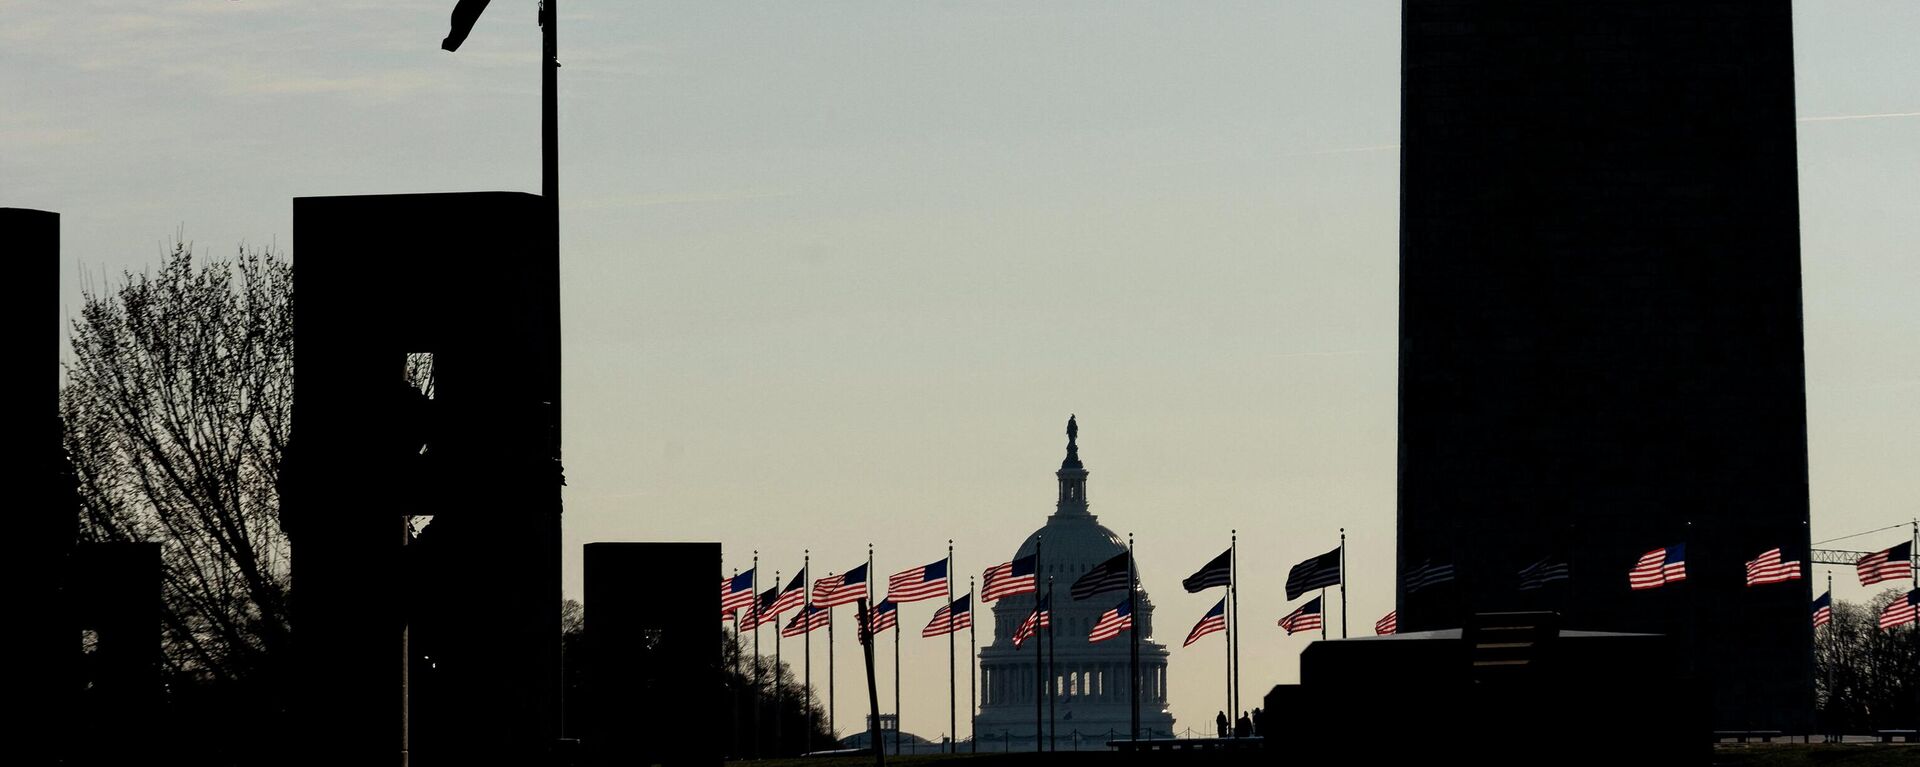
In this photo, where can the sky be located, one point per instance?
(837, 272)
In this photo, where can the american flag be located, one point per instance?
(807, 620)
(1543, 572)
(1111, 575)
(1112, 622)
(1214, 620)
(1316, 573)
(1307, 618)
(793, 596)
(1767, 568)
(1823, 610)
(1009, 578)
(1903, 609)
(1889, 565)
(953, 617)
(1218, 572)
(1659, 567)
(1428, 574)
(736, 592)
(919, 583)
(761, 613)
(1389, 624)
(884, 615)
(844, 589)
(1041, 617)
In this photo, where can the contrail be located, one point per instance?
(1835, 118)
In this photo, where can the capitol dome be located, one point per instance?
(1090, 678)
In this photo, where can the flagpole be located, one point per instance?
(778, 670)
(973, 666)
(806, 617)
(1323, 609)
(865, 634)
(1233, 596)
(1053, 685)
(1343, 585)
(1133, 640)
(1039, 665)
(831, 729)
(756, 653)
(953, 718)
(734, 731)
(896, 679)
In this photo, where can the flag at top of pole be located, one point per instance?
(1218, 572)
(1316, 573)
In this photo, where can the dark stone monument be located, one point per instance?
(90, 631)
(654, 691)
(1600, 334)
(442, 647)
(1466, 696)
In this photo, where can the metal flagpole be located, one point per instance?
(733, 746)
(755, 612)
(953, 719)
(1039, 666)
(778, 669)
(1053, 683)
(806, 617)
(896, 679)
(1323, 609)
(1343, 585)
(973, 667)
(1233, 597)
(831, 729)
(1133, 639)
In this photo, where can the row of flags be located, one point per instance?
(1656, 568)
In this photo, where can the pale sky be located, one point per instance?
(838, 272)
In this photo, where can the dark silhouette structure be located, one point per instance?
(1600, 333)
(1467, 696)
(90, 613)
(653, 693)
(443, 645)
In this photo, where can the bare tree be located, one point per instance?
(1866, 677)
(176, 406)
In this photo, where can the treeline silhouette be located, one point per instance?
(1866, 678)
(768, 719)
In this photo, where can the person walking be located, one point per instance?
(1220, 723)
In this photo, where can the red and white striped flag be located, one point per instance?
(807, 620)
(843, 589)
(884, 616)
(950, 618)
(736, 593)
(1659, 567)
(1112, 622)
(1214, 620)
(919, 583)
(1823, 610)
(1041, 617)
(1305, 618)
(1903, 609)
(1767, 568)
(1890, 565)
(791, 597)
(1009, 578)
(1389, 624)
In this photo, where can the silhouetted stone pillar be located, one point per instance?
(1600, 334)
(653, 642)
(470, 279)
(45, 516)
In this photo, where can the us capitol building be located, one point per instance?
(1090, 680)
